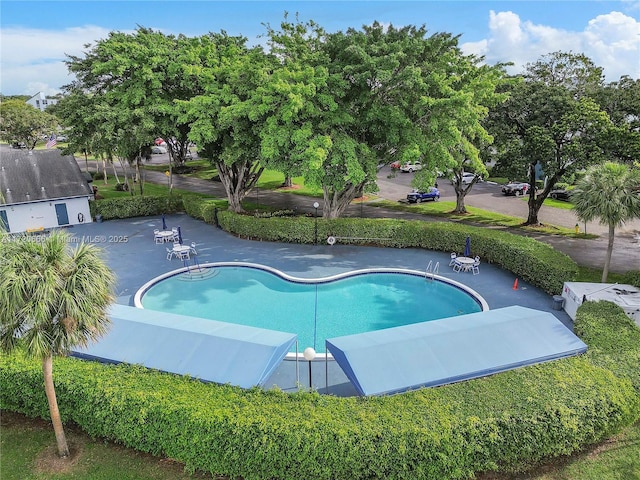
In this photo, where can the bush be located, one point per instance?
(98, 176)
(505, 422)
(135, 206)
(529, 259)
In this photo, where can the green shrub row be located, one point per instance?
(529, 259)
(506, 422)
(135, 206)
(614, 338)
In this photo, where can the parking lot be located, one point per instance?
(488, 196)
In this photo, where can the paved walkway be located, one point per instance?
(590, 253)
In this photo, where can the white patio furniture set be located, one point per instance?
(465, 264)
(180, 251)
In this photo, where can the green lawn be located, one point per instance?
(108, 190)
(28, 453)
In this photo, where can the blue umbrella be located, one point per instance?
(179, 236)
(467, 247)
(164, 223)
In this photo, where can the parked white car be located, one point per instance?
(467, 178)
(411, 167)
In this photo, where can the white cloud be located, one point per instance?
(32, 60)
(611, 41)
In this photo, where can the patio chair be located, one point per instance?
(169, 254)
(457, 266)
(184, 255)
(193, 248)
(157, 238)
(475, 268)
(453, 259)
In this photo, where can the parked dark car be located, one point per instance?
(515, 188)
(417, 196)
(560, 194)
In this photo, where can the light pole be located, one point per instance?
(315, 234)
(309, 354)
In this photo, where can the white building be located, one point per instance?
(41, 101)
(42, 190)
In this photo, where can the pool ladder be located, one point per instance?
(432, 269)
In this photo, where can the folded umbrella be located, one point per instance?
(164, 223)
(467, 247)
(179, 236)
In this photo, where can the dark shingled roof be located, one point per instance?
(42, 175)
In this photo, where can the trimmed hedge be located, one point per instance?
(529, 259)
(135, 206)
(506, 422)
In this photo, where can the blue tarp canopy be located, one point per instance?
(204, 349)
(452, 349)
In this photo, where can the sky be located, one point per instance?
(35, 37)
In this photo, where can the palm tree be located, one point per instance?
(607, 193)
(52, 298)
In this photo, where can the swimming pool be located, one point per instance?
(314, 309)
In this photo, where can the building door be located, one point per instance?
(61, 213)
(4, 221)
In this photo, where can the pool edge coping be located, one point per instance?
(137, 298)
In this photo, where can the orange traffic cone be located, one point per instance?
(515, 284)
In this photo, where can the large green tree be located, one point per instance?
(621, 101)
(138, 77)
(52, 298)
(608, 193)
(23, 123)
(550, 124)
(350, 101)
(224, 123)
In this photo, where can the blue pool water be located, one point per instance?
(314, 310)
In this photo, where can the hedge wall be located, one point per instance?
(529, 259)
(135, 206)
(506, 422)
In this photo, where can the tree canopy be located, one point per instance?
(330, 107)
(550, 124)
(23, 123)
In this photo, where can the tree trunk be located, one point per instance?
(534, 208)
(61, 440)
(238, 179)
(288, 182)
(607, 260)
(104, 170)
(461, 193)
(460, 207)
(139, 174)
(335, 203)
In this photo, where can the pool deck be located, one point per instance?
(132, 254)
